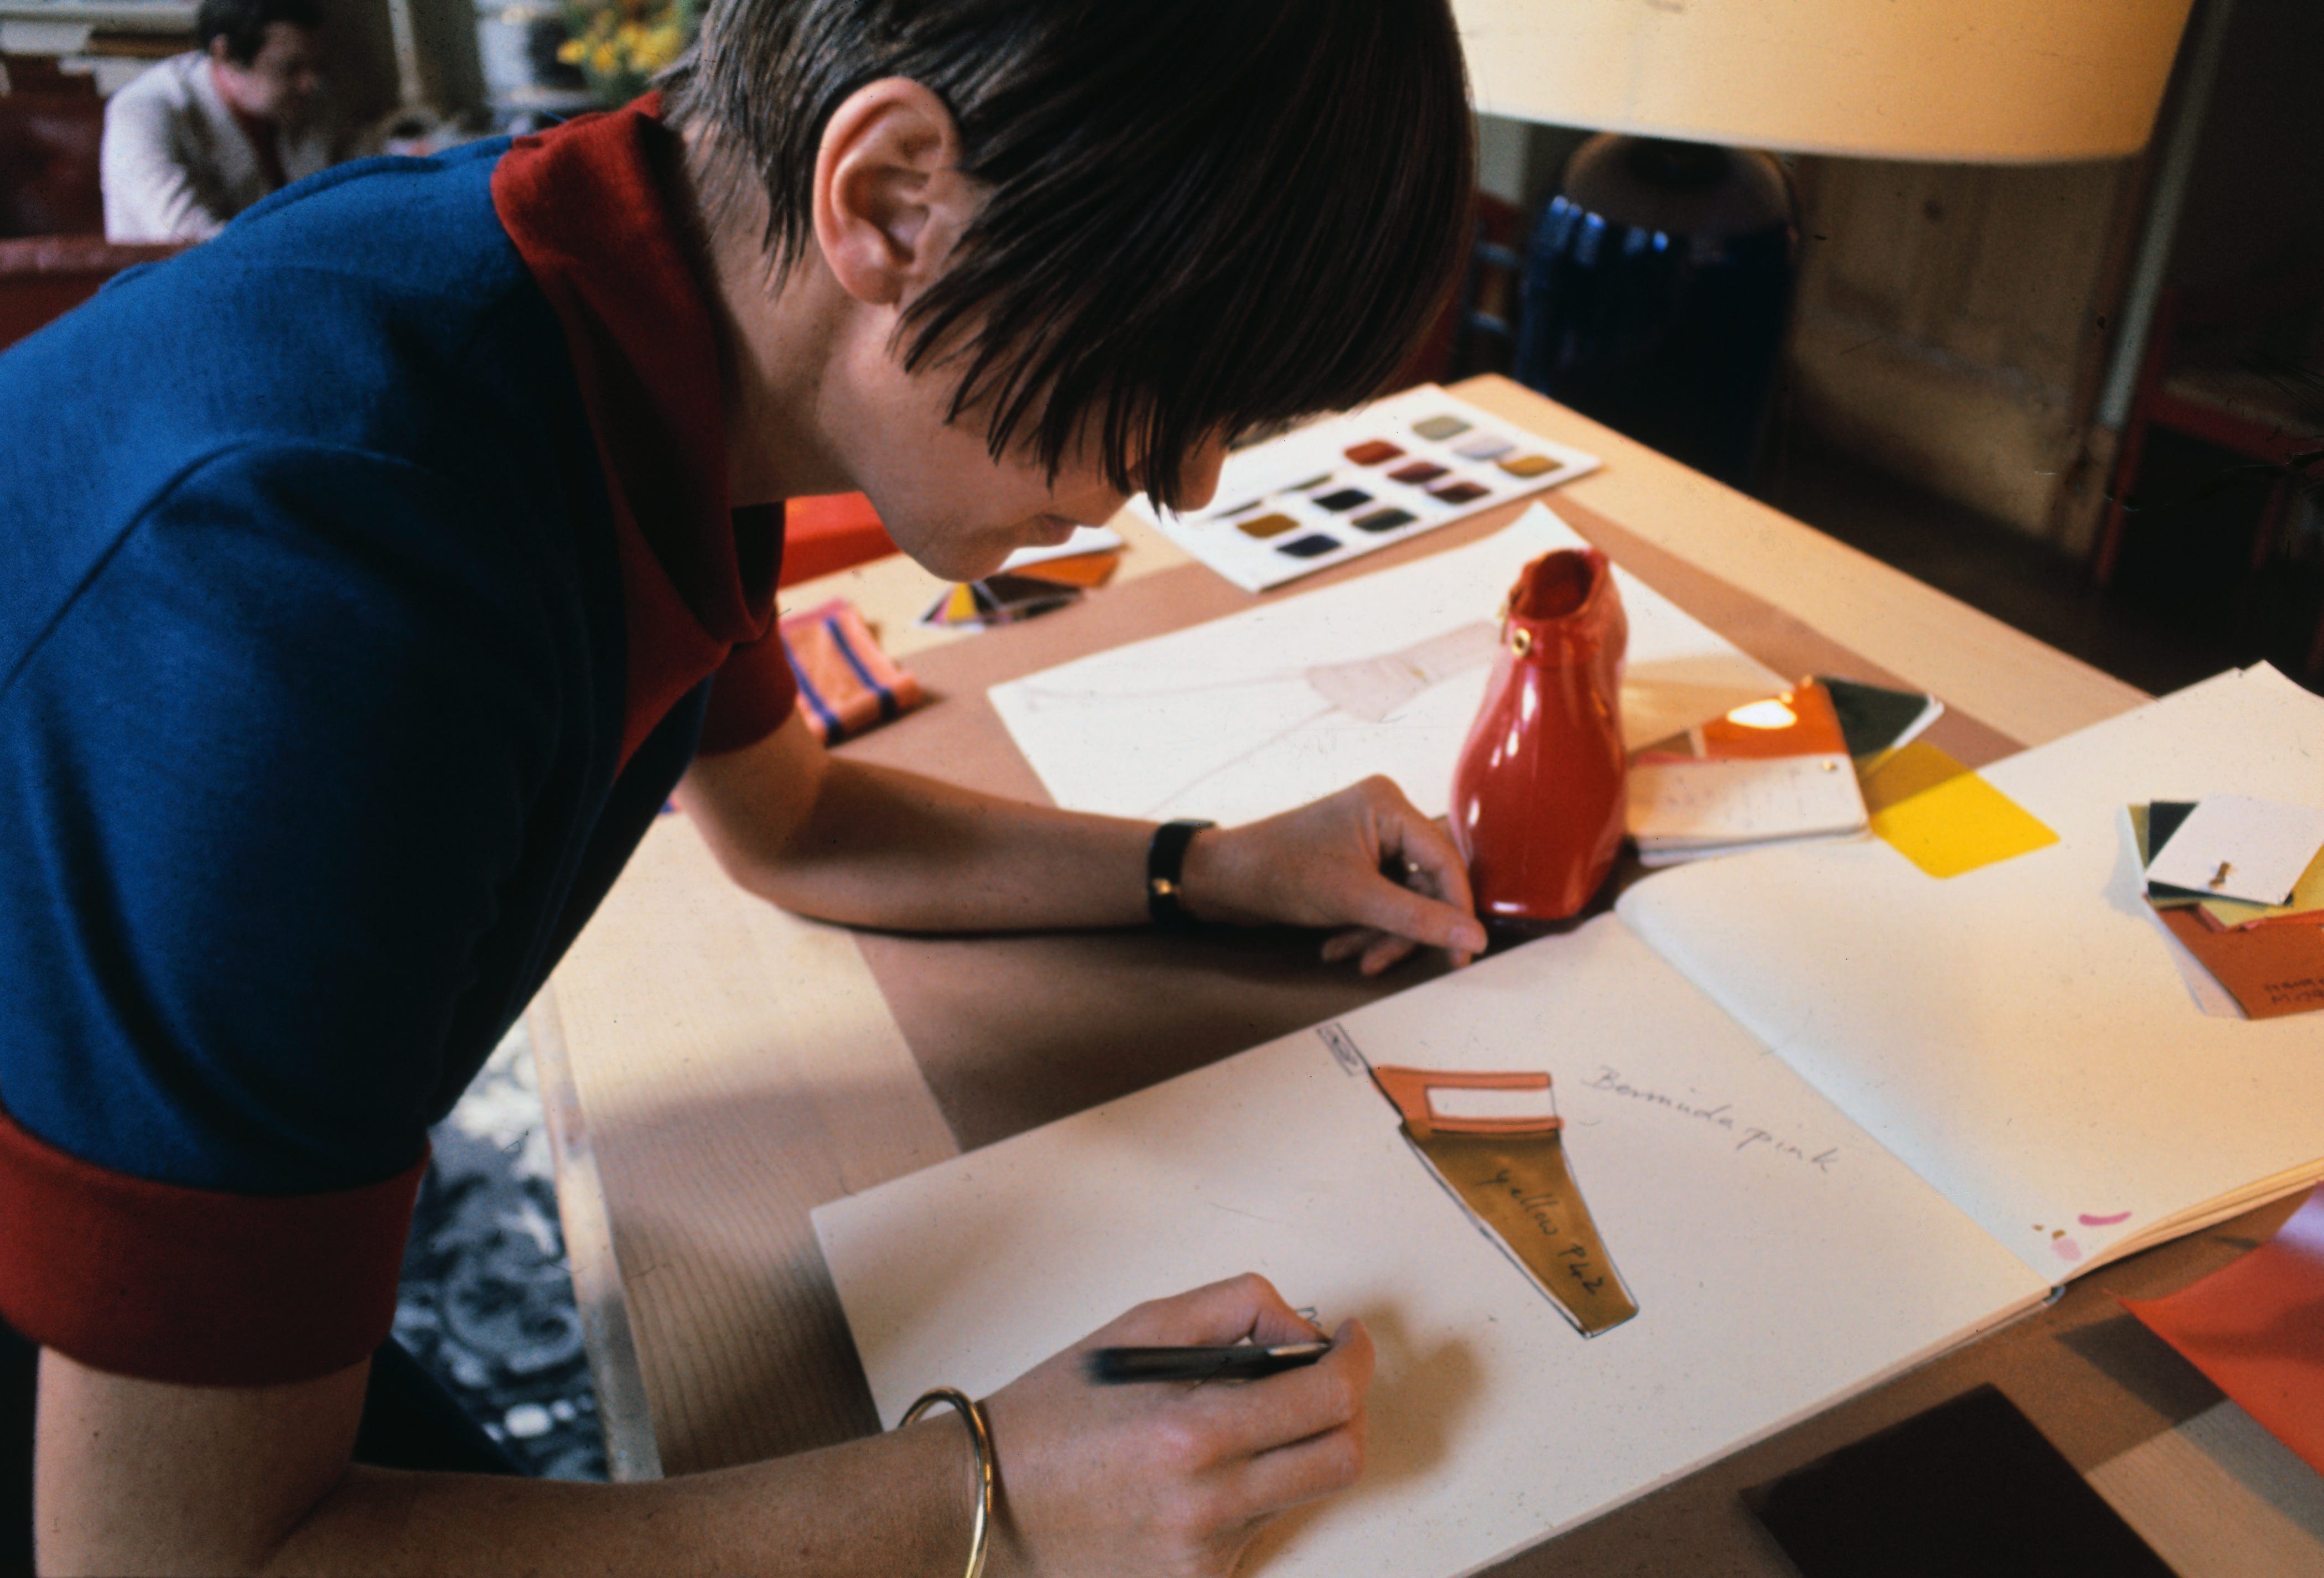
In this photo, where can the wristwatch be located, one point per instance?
(1166, 858)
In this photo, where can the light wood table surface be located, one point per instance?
(714, 1068)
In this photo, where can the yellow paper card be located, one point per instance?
(1944, 818)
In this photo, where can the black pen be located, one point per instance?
(1240, 1361)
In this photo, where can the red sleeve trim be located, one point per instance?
(194, 1286)
(755, 695)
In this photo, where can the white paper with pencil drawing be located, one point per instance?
(1267, 709)
(1777, 1259)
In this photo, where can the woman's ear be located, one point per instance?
(890, 199)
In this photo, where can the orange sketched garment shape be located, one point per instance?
(1504, 1160)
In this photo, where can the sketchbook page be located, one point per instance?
(1270, 708)
(1778, 1258)
(2018, 1034)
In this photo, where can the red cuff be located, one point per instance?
(168, 1283)
(754, 694)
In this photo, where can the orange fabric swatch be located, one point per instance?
(2257, 1328)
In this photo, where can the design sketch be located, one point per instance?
(1375, 689)
(1509, 1172)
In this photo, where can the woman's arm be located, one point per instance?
(135, 1476)
(876, 846)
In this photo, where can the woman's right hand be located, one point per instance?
(1162, 1481)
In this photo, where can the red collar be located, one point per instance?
(586, 213)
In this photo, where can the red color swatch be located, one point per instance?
(2257, 1328)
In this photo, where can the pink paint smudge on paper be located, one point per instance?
(2087, 1220)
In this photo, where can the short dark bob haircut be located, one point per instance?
(243, 24)
(1205, 218)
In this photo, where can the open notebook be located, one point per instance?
(1830, 1116)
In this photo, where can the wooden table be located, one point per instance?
(713, 1067)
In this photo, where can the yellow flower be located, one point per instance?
(660, 47)
(571, 50)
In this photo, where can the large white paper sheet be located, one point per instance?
(1269, 709)
(1779, 1258)
(2018, 1034)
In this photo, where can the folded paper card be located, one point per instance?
(1876, 720)
(1768, 772)
(2257, 1328)
(999, 599)
(2233, 846)
(1030, 581)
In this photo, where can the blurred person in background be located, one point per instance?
(205, 134)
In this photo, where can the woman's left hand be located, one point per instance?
(1325, 864)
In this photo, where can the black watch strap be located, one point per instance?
(1166, 858)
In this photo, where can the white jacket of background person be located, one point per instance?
(174, 163)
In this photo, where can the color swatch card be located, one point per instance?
(1766, 772)
(2267, 960)
(1876, 720)
(1350, 485)
(2232, 846)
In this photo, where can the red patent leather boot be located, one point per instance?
(1538, 798)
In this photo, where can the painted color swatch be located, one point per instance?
(1352, 484)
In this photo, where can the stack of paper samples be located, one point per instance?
(2240, 884)
(1770, 771)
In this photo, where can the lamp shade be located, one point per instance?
(1992, 82)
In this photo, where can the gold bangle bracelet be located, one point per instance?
(980, 1436)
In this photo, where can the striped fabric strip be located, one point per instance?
(847, 683)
